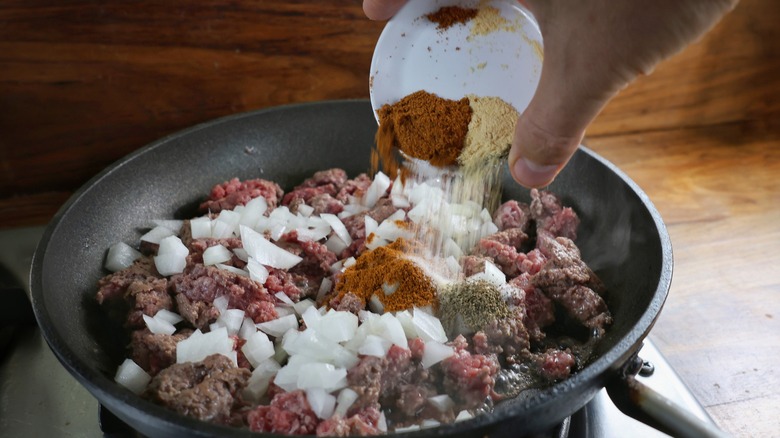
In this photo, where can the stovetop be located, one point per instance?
(32, 381)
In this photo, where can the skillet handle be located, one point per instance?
(644, 404)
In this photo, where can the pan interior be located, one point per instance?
(619, 234)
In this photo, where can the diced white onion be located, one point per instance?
(201, 345)
(376, 190)
(463, 415)
(216, 254)
(157, 234)
(371, 225)
(252, 211)
(281, 296)
(335, 244)
(393, 331)
(429, 422)
(349, 262)
(260, 379)
(381, 424)
(302, 305)
(221, 303)
(325, 288)
(375, 304)
(345, 400)
(258, 348)
(200, 227)
(121, 256)
(321, 402)
(225, 224)
(232, 269)
(132, 376)
(169, 264)
(434, 353)
(159, 326)
(241, 254)
(405, 318)
(279, 326)
(442, 402)
(321, 375)
(266, 252)
(337, 326)
(247, 329)
(375, 346)
(257, 272)
(172, 245)
(305, 210)
(232, 320)
(312, 234)
(491, 274)
(168, 316)
(428, 327)
(338, 227)
(171, 224)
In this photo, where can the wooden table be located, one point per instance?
(84, 83)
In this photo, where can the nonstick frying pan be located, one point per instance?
(621, 236)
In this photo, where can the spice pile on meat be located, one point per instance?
(313, 312)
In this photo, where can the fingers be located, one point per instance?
(381, 9)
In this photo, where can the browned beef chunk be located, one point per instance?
(505, 336)
(356, 226)
(305, 194)
(348, 302)
(208, 390)
(551, 216)
(335, 177)
(512, 214)
(567, 280)
(132, 292)
(154, 352)
(228, 195)
(196, 288)
(326, 203)
(354, 187)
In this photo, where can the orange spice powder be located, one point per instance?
(387, 266)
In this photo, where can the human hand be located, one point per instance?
(592, 50)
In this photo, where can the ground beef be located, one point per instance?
(305, 194)
(356, 226)
(198, 246)
(228, 195)
(554, 365)
(325, 203)
(348, 302)
(128, 294)
(196, 288)
(507, 337)
(317, 258)
(512, 214)
(468, 378)
(505, 257)
(207, 390)
(295, 286)
(566, 279)
(549, 215)
(335, 177)
(354, 187)
(360, 424)
(289, 413)
(154, 352)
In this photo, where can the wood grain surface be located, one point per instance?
(83, 83)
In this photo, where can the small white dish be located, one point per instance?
(413, 54)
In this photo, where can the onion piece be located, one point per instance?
(434, 353)
(201, 345)
(252, 211)
(258, 348)
(132, 376)
(257, 272)
(428, 327)
(171, 224)
(261, 377)
(325, 288)
(375, 346)
(266, 252)
(335, 244)
(337, 326)
(321, 403)
(303, 305)
(393, 331)
(305, 210)
(225, 224)
(221, 303)
(321, 375)
(371, 225)
(200, 227)
(281, 296)
(168, 316)
(247, 329)
(159, 326)
(338, 227)
(491, 274)
(216, 254)
(279, 326)
(463, 415)
(121, 256)
(442, 402)
(381, 423)
(376, 190)
(157, 234)
(232, 269)
(345, 400)
(170, 264)
(232, 320)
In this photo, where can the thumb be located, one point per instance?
(551, 128)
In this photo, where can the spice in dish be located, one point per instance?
(448, 16)
(467, 307)
(387, 275)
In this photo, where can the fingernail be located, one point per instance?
(532, 175)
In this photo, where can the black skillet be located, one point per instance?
(622, 237)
